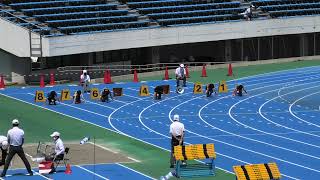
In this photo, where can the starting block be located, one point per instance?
(223, 87)
(40, 96)
(144, 91)
(117, 92)
(166, 89)
(94, 93)
(65, 95)
(197, 88)
(203, 152)
(267, 171)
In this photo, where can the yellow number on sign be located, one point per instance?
(65, 95)
(223, 87)
(144, 91)
(94, 93)
(40, 96)
(197, 89)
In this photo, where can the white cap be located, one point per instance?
(15, 122)
(4, 145)
(54, 134)
(176, 117)
(182, 65)
(84, 71)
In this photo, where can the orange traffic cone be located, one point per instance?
(230, 73)
(52, 82)
(2, 85)
(166, 74)
(68, 169)
(42, 81)
(204, 71)
(187, 71)
(135, 76)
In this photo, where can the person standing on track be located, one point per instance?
(181, 75)
(16, 139)
(177, 135)
(85, 81)
(4, 149)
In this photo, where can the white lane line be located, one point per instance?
(292, 92)
(98, 175)
(234, 119)
(291, 105)
(135, 171)
(133, 159)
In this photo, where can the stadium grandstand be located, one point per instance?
(39, 36)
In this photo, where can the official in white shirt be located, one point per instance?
(4, 149)
(177, 135)
(85, 81)
(58, 147)
(181, 75)
(16, 139)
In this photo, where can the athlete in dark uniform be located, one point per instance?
(77, 97)
(105, 94)
(52, 98)
(210, 89)
(238, 90)
(158, 91)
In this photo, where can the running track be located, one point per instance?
(276, 122)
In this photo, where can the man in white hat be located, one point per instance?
(15, 140)
(4, 149)
(177, 135)
(59, 147)
(181, 75)
(85, 81)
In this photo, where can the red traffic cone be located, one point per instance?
(52, 82)
(68, 169)
(107, 77)
(187, 71)
(230, 73)
(2, 85)
(42, 81)
(135, 76)
(204, 71)
(166, 74)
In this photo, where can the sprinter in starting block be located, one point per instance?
(52, 97)
(105, 95)
(210, 89)
(238, 91)
(158, 91)
(78, 97)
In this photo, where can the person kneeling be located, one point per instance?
(78, 97)
(105, 94)
(158, 91)
(52, 97)
(238, 90)
(210, 89)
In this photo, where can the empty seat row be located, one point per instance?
(279, 2)
(195, 13)
(66, 9)
(103, 27)
(294, 12)
(290, 6)
(202, 19)
(162, 3)
(188, 7)
(91, 21)
(75, 15)
(47, 4)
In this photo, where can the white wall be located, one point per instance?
(184, 34)
(14, 39)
